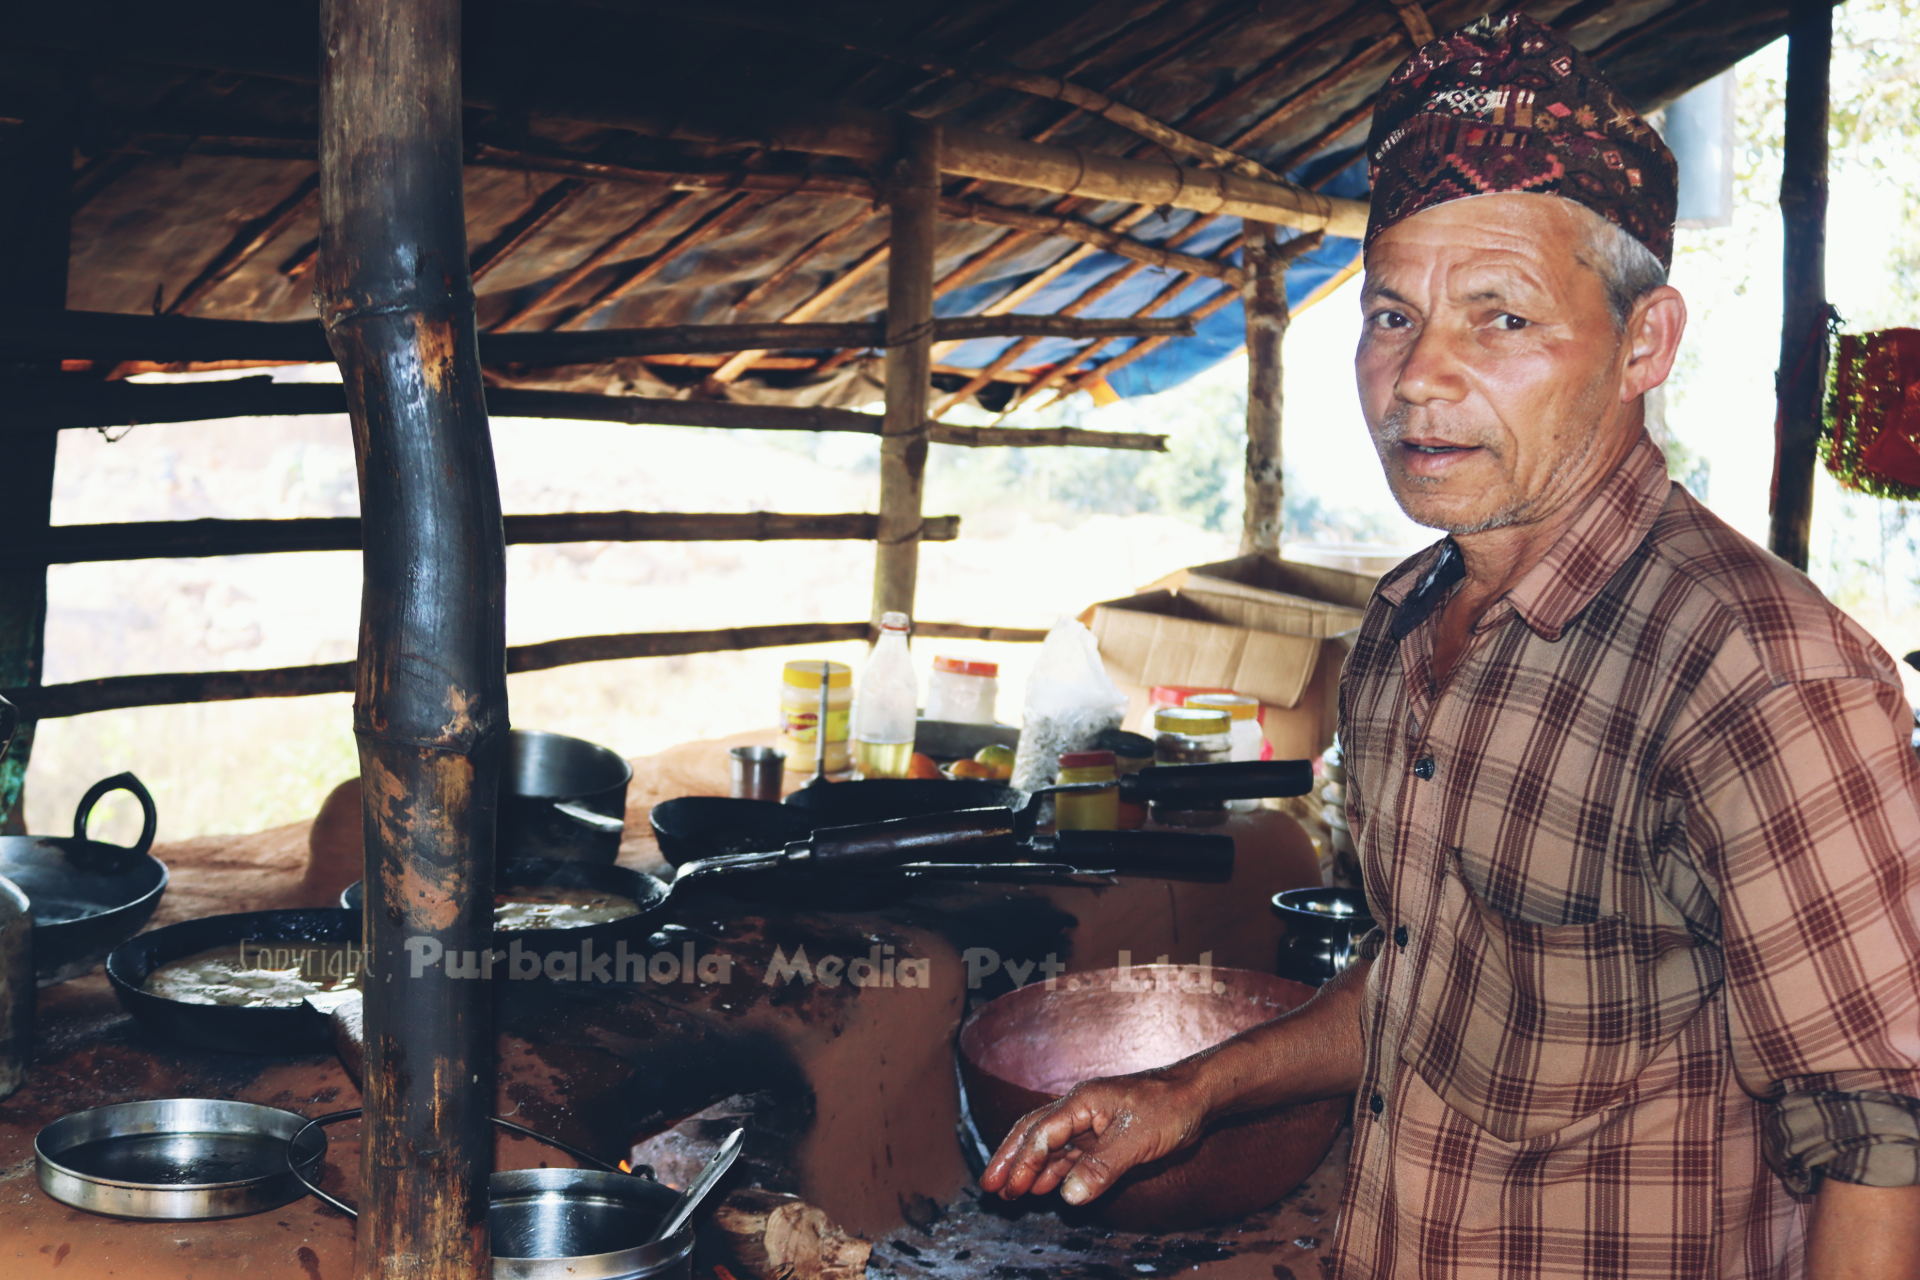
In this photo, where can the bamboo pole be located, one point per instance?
(1264, 296)
(115, 693)
(35, 217)
(198, 539)
(1803, 331)
(118, 404)
(914, 237)
(430, 705)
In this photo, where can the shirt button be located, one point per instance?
(1423, 768)
(1400, 935)
(1376, 1104)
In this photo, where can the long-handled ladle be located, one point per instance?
(697, 1189)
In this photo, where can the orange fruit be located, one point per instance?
(922, 767)
(970, 769)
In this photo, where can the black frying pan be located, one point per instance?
(712, 826)
(87, 895)
(646, 891)
(228, 1028)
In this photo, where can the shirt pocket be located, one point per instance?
(1525, 1028)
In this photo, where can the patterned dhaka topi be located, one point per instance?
(1505, 104)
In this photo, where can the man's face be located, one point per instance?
(1490, 368)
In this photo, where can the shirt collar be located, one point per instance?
(1611, 525)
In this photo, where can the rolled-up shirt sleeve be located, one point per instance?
(1802, 812)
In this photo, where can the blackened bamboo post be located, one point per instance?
(915, 207)
(1264, 296)
(1802, 376)
(430, 705)
(35, 204)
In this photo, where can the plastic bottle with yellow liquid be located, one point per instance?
(885, 709)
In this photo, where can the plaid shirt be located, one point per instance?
(1645, 871)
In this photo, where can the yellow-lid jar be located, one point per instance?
(800, 714)
(1088, 810)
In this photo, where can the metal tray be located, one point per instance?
(175, 1158)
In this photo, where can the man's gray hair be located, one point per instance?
(1627, 268)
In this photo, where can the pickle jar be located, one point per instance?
(1187, 736)
(800, 715)
(1132, 752)
(1088, 810)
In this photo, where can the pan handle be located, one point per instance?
(334, 1116)
(965, 835)
(149, 820)
(1167, 855)
(1241, 780)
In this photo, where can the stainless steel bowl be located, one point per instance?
(174, 1158)
(580, 1224)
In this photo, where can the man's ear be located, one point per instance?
(1652, 341)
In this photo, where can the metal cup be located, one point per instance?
(756, 773)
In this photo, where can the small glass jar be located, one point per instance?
(1091, 810)
(1244, 733)
(1132, 752)
(963, 691)
(800, 715)
(1187, 736)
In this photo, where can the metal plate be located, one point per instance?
(174, 1158)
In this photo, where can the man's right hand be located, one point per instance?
(1084, 1142)
(1087, 1140)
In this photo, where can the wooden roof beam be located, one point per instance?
(99, 335)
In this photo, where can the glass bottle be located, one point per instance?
(884, 709)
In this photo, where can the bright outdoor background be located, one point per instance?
(1045, 531)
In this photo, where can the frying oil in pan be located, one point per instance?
(258, 974)
(558, 907)
(178, 1159)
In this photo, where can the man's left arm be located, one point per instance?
(1804, 817)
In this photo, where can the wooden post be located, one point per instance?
(1802, 377)
(1264, 295)
(430, 705)
(915, 205)
(35, 204)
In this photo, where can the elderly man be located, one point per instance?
(1634, 803)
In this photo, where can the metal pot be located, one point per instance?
(87, 895)
(1032, 1045)
(1322, 927)
(566, 1224)
(561, 799)
(175, 1158)
(580, 1224)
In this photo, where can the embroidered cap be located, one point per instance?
(1506, 105)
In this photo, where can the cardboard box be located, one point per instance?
(1261, 627)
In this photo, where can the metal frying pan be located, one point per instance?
(87, 895)
(647, 892)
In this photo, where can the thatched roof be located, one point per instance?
(635, 164)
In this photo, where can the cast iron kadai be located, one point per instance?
(595, 1223)
(876, 799)
(561, 799)
(87, 895)
(177, 1158)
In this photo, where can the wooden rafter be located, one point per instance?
(719, 221)
(537, 217)
(841, 285)
(248, 241)
(630, 234)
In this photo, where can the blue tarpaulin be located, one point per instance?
(1171, 363)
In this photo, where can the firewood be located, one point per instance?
(772, 1236)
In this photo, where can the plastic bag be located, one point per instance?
(1070, 701)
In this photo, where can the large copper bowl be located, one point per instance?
(1031, 1046)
